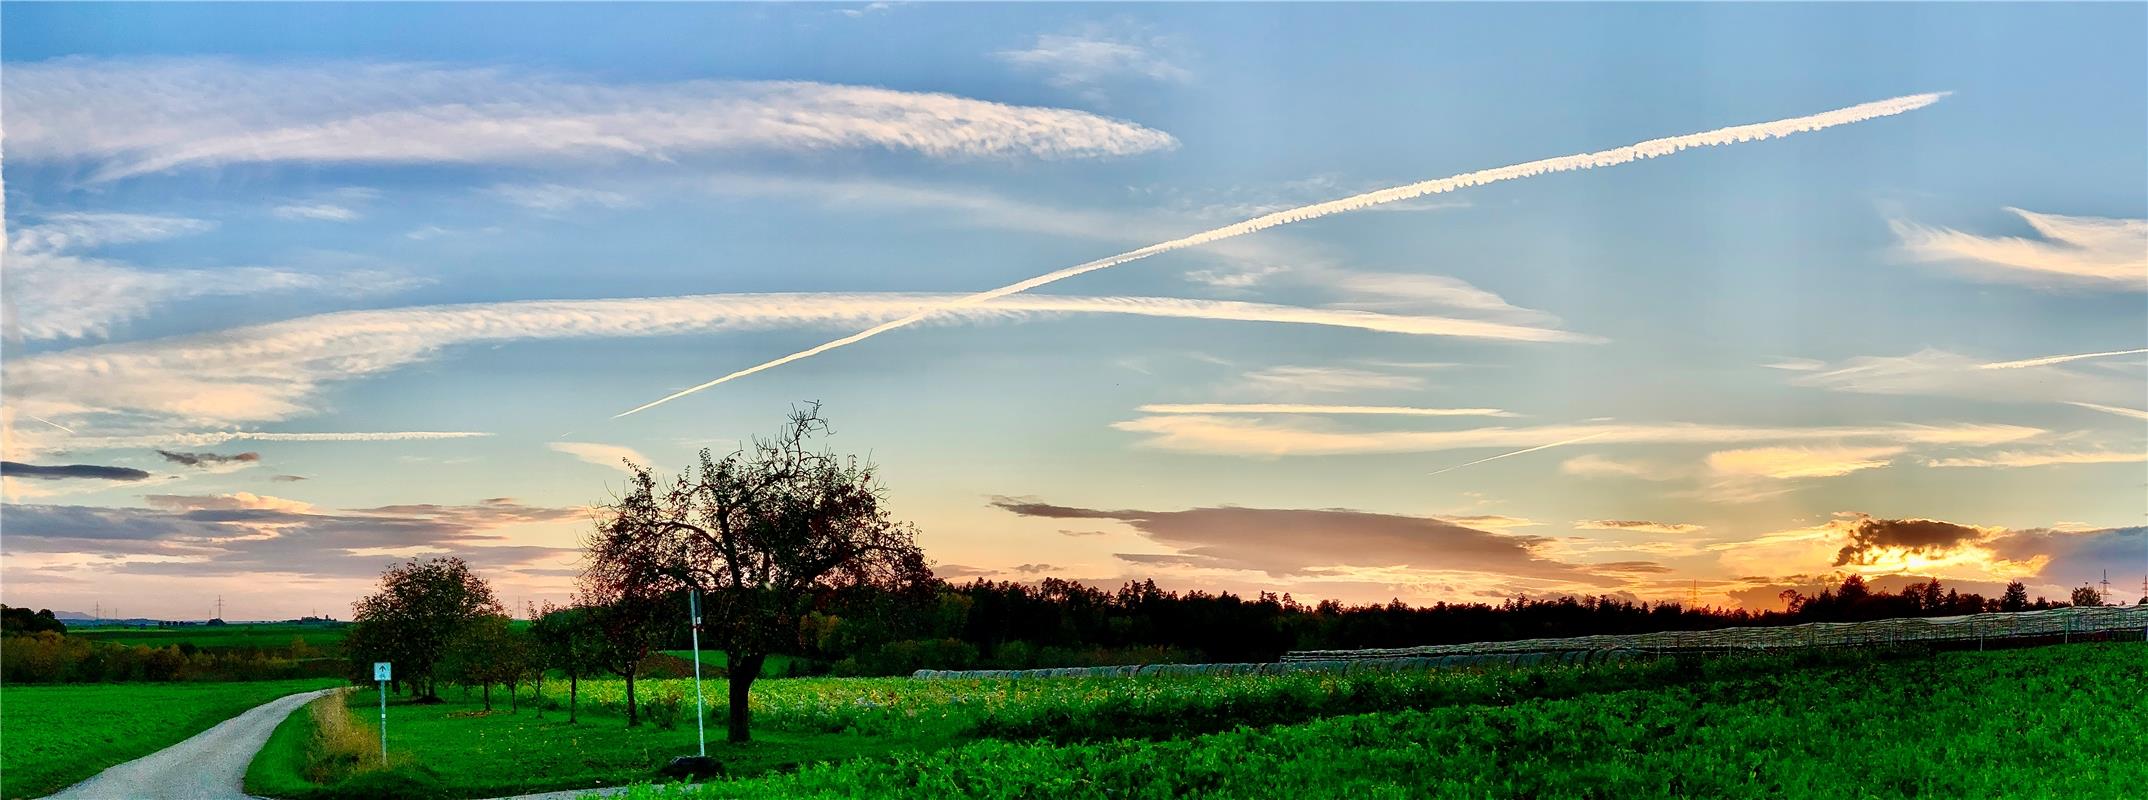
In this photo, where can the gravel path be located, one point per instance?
(212, 764)
(209, 766)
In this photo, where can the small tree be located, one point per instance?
(757, 532)
(483, 655)
(421, 608)
(569, 640)
(2016, 597)
(2086, 596)
(626, 617)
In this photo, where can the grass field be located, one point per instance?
(2054, 721)
(221, 637)
(2050, 722)
(777, 666)
(56, 735)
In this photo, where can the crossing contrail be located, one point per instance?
(2048, 360)
(1602, 158)
(1518, 452)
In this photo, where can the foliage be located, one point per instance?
(266, 637)
(568, 640)
(2025, 723)
(58, 735)
(23, 620)
(71, 658)
(756, 533)
(420, 609)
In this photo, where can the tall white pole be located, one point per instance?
(701, 725)
(383, 723)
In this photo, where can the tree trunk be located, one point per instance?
(488, 695)
(574, 694)
(633, 709)
(740, 677)
(514, 697)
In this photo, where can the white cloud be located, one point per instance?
(2043, 459)
(1258, 436)
(1642, 526)
(1306, 408)
(1801, 462)
(1596, 466)
(1288, 380)
(275, 371)
(1096, 57)
(324, 212)
(54, 291)
(132, 117)
(1797, 364)
(603, 455)
(554, 198)
(1940, 373)
(2074, 251)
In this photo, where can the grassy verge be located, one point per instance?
(2048, 722)
(56, 735)
(777, 666)
(458, 750)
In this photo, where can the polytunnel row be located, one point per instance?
(1346, 666)
(2048, 623)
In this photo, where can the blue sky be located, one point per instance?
(324, 219)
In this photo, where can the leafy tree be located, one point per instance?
(758, 533)
(20, 620)
(569, 640)
(483, 655)
(2084, 596)
(421, 609)
(2016, 597)
(629, 623)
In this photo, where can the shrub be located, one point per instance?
(665, 704)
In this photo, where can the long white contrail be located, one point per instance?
(1601, 158)
(2049, 360)
(2119, 410)
(1302, 408)
(1518, 452)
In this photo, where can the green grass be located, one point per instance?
(2043, 723)
(56, 735)
(221, 637)
(456, 749)
(775, 666)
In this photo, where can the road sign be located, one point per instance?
(380, 671)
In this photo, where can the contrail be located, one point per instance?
(50, 422)
(2047, 360)
(1518, 452)
(2119, 410)
(1602, 158)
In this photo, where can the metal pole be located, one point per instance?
(383, 723)
(701, 715)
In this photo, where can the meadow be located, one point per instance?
(60, 734)
(2029, 722)
(268, 635)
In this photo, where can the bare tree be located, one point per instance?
(757, 532)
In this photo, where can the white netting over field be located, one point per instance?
(2056, 622)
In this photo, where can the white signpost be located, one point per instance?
(693, 602)
(382, 673)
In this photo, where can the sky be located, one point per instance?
(292, 292)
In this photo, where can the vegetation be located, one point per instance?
(2047, 722)
(758, 533)
(58, 735)
(322, 639)
(776, 666)
(420, 611)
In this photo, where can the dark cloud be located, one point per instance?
(1297, 542)
(287, 478)
(245, 534)
(1869, 536)
(208, 459)
(2076, 557)
(15, 469)
(1034, 569)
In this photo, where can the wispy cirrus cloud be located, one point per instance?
(1243, 436)
(2045, 458)
(1599, 466)
(1801, 462)
(131, 117)
(58, 472)
(1096, 57)
(1940, 373)
(1653, 148)
(1637, 525)
(275, 371)
(553, 198)
(2096, 252)
(1310, 408)
(54, 289)
(603, 455)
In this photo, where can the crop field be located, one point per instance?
(57, 735)
(2051, 721)
(776, 666)
(221, 637)
(2048, 722)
